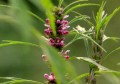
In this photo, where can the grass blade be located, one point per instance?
(9, 43)
(14, 80)
(79, 6)
(78, 18)
(36, 16)
(73, 3)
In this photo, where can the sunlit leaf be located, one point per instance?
(49, 12)
(93, 62)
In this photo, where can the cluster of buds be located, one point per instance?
(57, 41)
(61, 29)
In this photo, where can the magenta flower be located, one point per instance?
(48, 31)
(47, 21)
(61, 27)
(66, 54)
(57, 42)
(50, 78)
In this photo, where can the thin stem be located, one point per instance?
(87, 47)
(74, 39)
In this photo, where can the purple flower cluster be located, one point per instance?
(62, 26)
(57, 41)
(61, 30)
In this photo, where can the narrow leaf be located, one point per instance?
(79, 6)
(18, 80)
(78, 18)
(108, 18)
(73, 3)
(93, 62)
(9, 43)
(36, 16)
(48, 6)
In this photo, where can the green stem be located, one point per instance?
(87, 47)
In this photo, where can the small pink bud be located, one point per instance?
(46, 76)
(66, 57)
(67, 52)
(58, 21)
(47, 21)
(50, 77)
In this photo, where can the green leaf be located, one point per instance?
(9, 43)
(48, 6)
(78, 18)
(99, 18)
(108, 18)
(93, 62)
(110, 38)
(79, 6)
(77, 37)
(102, 20)
(36, 16)
(85, 19)
(73, 3)
(23, 18)
(14, 80)
(29, 12)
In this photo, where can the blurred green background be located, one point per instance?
(25, 61)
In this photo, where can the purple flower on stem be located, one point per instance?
(48, 31)
(57, 41)
(50, 78)
(66, 54)
(62, 26)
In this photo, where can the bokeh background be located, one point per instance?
(25, 61)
